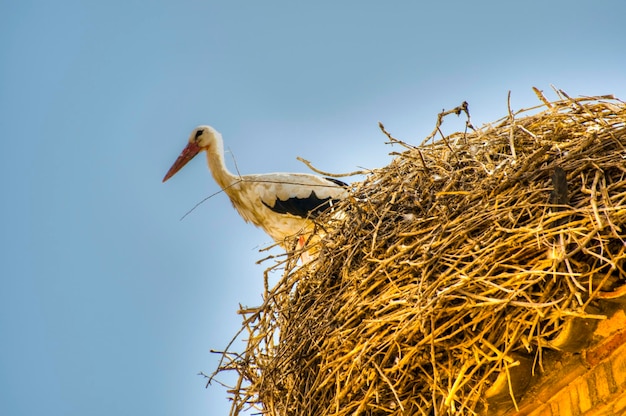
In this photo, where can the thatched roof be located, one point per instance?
(451, 273)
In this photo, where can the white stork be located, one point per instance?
(282, 204)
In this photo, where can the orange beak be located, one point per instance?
(186, 155)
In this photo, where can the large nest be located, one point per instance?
(462, 255)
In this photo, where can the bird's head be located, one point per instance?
(201, 139)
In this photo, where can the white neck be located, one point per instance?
(215, 158)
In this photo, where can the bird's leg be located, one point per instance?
(305, 257)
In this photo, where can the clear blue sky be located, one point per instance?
(109, 304)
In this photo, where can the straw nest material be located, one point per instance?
(461, 255)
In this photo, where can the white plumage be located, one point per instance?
(282, 204)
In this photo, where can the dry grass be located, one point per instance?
(460, 254)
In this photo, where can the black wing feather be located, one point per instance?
(309, 207)
(337, 182)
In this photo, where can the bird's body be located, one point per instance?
(282, 204)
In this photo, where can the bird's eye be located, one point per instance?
(198, 134)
